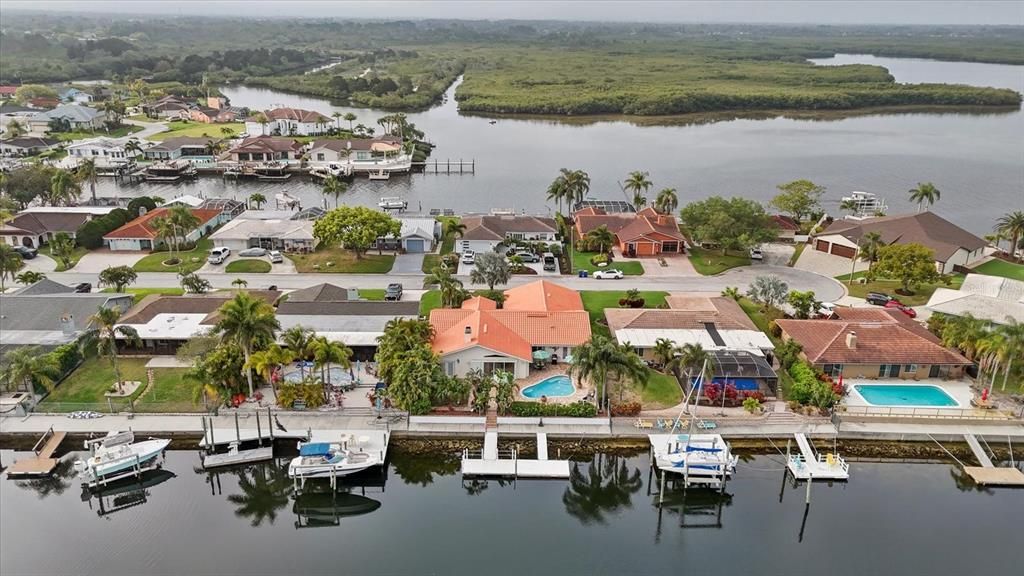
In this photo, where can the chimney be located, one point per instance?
(468, 334)
(851, 340)
(661, 219)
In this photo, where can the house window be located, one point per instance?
(889, 371)
(320, 156)
(639, 351)
(910, 368)
(934, 371)
(833, 370)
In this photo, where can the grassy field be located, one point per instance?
(1001, 268)
(76, 255)
(431, 299)
(595, 301)
(248, 266)
(581, 261)
(119, 132)
(371, 293)
(711, 262)
(84, 389)
(198, 130)
(191, 260)
(342, 262)
(920, 296)
(139, 293)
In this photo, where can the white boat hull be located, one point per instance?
(326, 471)
(120, 459)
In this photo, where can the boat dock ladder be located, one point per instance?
(43, 463)
(809, 465)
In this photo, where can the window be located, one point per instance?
(889, 371)
(670, 247)
(833, 370)
(910, 368)
(639, 351)
(320, 156)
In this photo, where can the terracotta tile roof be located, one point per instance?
(456, 330)
(542, 296)
(882, 337)
(267, 144)
(8, 90)
(785, 222)
(142, 227)
(926, 228)
(564, 328)
(498, 227)
(296, 114)
(628, 226)
(479, 303)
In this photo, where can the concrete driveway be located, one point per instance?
(775, 254)
(41, 263)
(827, 264)
(408, 264)
(99, 260)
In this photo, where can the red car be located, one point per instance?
(905, 309)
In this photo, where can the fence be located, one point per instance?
(927, 413)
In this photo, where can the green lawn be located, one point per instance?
(1001, 268)
(431, 299)
(76, 255)
(84, 389)
(662, 391)
(120, 132)
(139, 293)
(920, 296)
(142, 118)
(191, 260)
(711, 262)
(171, 392)
(581, 261)
(371, 293)
(198, 130)
(249, 266)
(342, 262)
(595, 301)
(796, 254)
(430, 261)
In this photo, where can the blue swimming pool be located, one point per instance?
(552, 387)
(905, 395)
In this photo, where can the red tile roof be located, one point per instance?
(629, 226)
(8, 90)
(142, 227)
(296, 114)
(542, 296)
(785, 222)
(456, 330)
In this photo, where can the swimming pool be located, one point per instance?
(552, 387)
(905, 395)
(338, 375)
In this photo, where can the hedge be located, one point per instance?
(535, 409)
(90, 234)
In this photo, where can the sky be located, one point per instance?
(1009, 12)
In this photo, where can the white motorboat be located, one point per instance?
(865, 204)
(117, 455)
(393, 204)
(336, 169)
(379, 175)
(329, 459)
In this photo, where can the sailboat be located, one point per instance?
(117, 455)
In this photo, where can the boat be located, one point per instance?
(272, 171)
(286, 201)
(379, 174)
(169, 171)
(117, 455)
(393, 203)
(865, 204)
(329, 460)
(336, 169)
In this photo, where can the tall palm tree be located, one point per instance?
(183, 220)
(327, 352)
(602, 237)
(258, 199)
(571, 187)
(165, 228)
(848, 205)
(453, 228)
(638, 182)
(664, 350)
(964, 333)
(133, 148)
(63, 188)
(297, 340)
(249, 322)
(667, 201)
(333, 187)
(261, 119)
(337, 119)
(691, 358)
(600, 357)
(87, 173)
(870, 245)
(350, 117)
(28, 364)
(1011, 225)
(1012, 336)
(449, 286)
(925, 192)
(103, 337)
(265, 362)
(10, 263)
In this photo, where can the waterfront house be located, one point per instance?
(873, 343)
(28, 145)
(273, 234)
(36, 226)
(352, 151)
(417, 235)
(786, 227)
(644, 233)
(990, 298)
(181, 147)
(141, 233)
(105, 152)
(954, 247)
(72, 117)
(290, 122)
(11, 112)
(72, 95)
(49, 314)
(265, 149)
(485, 233)
(7, 92)
(208, 115)
(536, 316)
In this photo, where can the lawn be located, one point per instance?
(342, 262)
(1001, 268)
(595, 301)
(920, 296)
(581, 261)
(249, 266)
(371, 294)
(796, 254)
(198, 130)
(76, 255)
(139, 293)
(711, 262)
(120, 132)
(431, 299)
(191, 260)
(84, 389)
(171, 392)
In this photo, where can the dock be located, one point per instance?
(234, 457)
(491, 464)
(265, 430)
(988, 474)
(809, 465)
(43, 463)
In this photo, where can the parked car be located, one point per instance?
(526, 256)
(393, 292)
(550, 263)
(611, 274)
(468, 257)
(83, 287)
(275, 257)
(905, 309)
(826, 310)
(25, 252)
(879, 299)
(756, 254)
(218, 255)
(252, 252)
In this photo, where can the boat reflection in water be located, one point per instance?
(327, 508)
(127, 493)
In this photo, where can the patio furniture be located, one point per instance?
(706, 424)
(643, 424)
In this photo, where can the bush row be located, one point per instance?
(535, 409)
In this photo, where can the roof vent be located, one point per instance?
(851, 340)
(468, 333)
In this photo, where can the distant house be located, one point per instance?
(211, 115)
(645, 233)
(290, 122)
(44, 103)
(417, 235)
(73, 95)
(7, 92)
(953, 246)
(787, 228)
(180, 147)
(28, 145)
(990, 298)
(168, 107)
(10, 112)
(266, 148)
(272, 234)
(352, 151)
(485, 233)
(141, 233)
(36, 226)
(71, 116)
(104, 151)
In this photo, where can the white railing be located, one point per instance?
(933, 413)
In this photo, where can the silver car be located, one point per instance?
(253, 252)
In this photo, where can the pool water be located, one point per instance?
(552, 387)
(905, 395)
(338, 375)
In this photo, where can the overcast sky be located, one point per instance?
(822, 12)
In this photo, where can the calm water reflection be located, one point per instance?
(415, 519)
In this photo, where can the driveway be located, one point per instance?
(827, 264)
(775, 254)
(676, 266)
(41, 263)
(408, 264)
(99, 260)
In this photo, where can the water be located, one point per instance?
(553, 387)
(889, 519)
(976, 160)
(904, 395)
(337, 375)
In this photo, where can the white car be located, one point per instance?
(468, 257)
(218, 255)
(755, 254)
(275, 257)
(827, 309)
(612, 274)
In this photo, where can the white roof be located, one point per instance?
(100, 210)
(283, 229)
(748, 340)
(266, 215)
(351, 338)
(186, 199)
(171, 326)
(987, 297)
(420, 227)
(99, 142)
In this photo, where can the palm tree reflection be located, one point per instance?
(265, 489)
(54, 484)
(421, 468)
(606, 486)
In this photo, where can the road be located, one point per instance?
(825, 289)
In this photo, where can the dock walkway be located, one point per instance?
(808, 465)
(43, 462)
(490, 463)
(988, 474)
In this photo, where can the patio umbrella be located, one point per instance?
(541, 355)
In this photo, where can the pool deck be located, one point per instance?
(959, 390)
(579, 393)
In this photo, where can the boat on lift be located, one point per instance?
(379, 174)
(329, 459)
(336, 169)
(169, 171)
(117, 455)
(865, 204)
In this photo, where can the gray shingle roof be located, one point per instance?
(73, 112)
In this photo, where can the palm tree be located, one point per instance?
(601, 237)
(104, 337)
(10, 263)
(871, 244)
(333, 187)
(327, 352)
(350, 117)
(667, 201)
(964, 333)
(87, 173)
(240, 283)
(133, 148)
(63, 188)
(183, 220)
(638, 183)
(1011, 226)
(249, 322)
(1012, 336)
(261, 119)
(453, 228)
(265, 362)
(690, 357)
(848, 205)
(571, 187)
(297, 340)
(600, 357)
(449, 286)
(732, 292)
(258, 199)
(165, 228)
(925, 192)
(28, 364)
(226, 132)
(337, 119)
(664, 350)
(29, 277)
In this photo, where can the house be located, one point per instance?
(352, 151)
(953, 246)
(141, 233)
(164, 323)
(168, 107)
(341, 315)
(208, 115)
(536, 316)
(185, 200)
(417, 235)
(44, 103)
(873, 343)
(290, 122)
(49, 314)
(73, 95)
(741, 354)
(70, 117)
(11, 112)
(36, 226)
(990, 298)
(485, 233)
(28, 145)
(273, 234)
(228, 207)
(7, 92)
(104, 151)
(786, 227)
(645, 233)
(265, 149)
(180, 147)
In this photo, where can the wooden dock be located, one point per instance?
(988, 474)
(459, 166)
(236, 457)
(43, 463)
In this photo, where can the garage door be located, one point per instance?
(821, 246)
(414, 245)
(844, 251)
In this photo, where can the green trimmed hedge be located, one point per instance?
(536, 409)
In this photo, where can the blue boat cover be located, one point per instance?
(315, 449)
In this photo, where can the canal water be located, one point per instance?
(421, 517)
(975, 159)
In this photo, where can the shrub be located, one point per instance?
(599, 259)
(140, 202)
(808, 389)
(311, 394)
(68, 356)
(536, 409)
(626, 409)
(751, 404)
